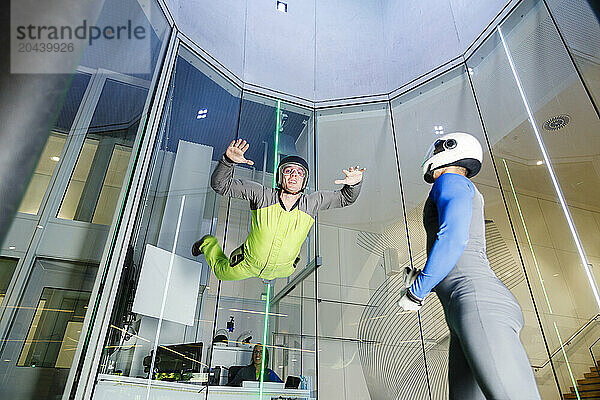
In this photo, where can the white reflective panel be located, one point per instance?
(183, 287)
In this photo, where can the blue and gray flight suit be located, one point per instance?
(276, 235)
(486, 359)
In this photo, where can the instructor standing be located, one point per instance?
(486, 359)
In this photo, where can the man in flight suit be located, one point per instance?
(280, 218)
(486, 358)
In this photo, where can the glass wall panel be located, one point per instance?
(446, 105)
(41, 343)
(96, 182)
(291, 327)
(59, 312)
(562, 117)
(580, 29)
(166, 308)
(364, 343)
(173, 319)
(135, 58)
(273, 129)
(7, 269)
(90, 146)
(38, 185)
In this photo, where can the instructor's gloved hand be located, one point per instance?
(410, 275)
(409, 302)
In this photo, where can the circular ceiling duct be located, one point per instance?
(557, 122)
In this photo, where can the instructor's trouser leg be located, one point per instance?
(462, 382)
(485, 348)
(219, 262)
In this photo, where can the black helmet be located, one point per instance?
(295, 160)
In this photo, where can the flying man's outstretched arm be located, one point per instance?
(223, 182)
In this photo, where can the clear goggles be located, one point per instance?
(289, 170)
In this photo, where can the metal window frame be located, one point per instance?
(25, 265)
(114, 253)
(61, 176)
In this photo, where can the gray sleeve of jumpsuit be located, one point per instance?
(223, 182)
(327, 199)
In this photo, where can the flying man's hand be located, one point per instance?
(353, 176)
(235, 152)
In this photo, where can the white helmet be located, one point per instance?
(460, 149)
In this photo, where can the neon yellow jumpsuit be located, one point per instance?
(276, 235)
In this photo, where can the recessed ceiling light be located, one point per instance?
(11, 247)
(539, 162)
(438, 129)
(281, 6)
(54, 158)
(202, 113)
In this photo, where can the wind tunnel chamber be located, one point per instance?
(104, 298)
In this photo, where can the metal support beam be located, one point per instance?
(291, 285)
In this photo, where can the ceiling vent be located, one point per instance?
(557, 122)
